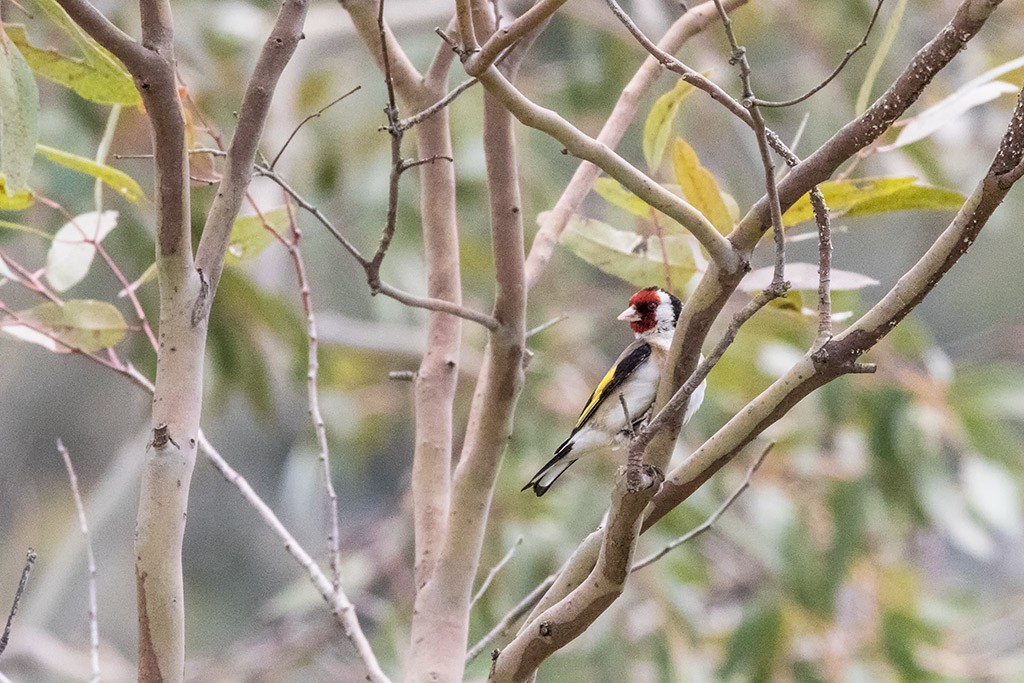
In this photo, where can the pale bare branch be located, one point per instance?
(83, 524)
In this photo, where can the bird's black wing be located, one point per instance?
(627, 363)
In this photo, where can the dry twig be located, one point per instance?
(94, 632)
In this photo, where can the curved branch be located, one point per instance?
(835, 72)
(585, 147)
(479, 60)
(104, 32)
(563, 622)
(276, 53)
(440, 624)
(838, 356)
(687, 26)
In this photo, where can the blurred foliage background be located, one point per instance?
(881, 539)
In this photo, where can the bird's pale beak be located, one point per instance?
(629, 315)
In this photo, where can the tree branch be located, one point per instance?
(30, 559)
(436, 379)
(704, 526)
(839, 355)
(862, 131)
(510, 618)
(441, 618)
(339, 604)
(104, 32)
(739, 57)
(479, 60)
(842, 65)
(83, 524)
(824, 223)
(563, 622)
(715, 287)
(276, 53)
(585, 147)
(688, 25)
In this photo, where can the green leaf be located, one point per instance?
(865, 196)
(97, 75)
(975, 92)
(699, 186)
(148, 275)
(19, 120)
(18, 227)
(892, 28)
(632, 257)
(614, 193)
(118, 180)
(756, 644)
(251, 234)
(80, 325)
(901, 634)
(896, 450)
(74, 247)
(658, 125)
(242, 315)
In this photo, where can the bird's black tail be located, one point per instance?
(552, 470)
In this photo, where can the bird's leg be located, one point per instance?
(635, 457)
(630, 429)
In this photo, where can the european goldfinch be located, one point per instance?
(652, 315)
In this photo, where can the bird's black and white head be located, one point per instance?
(651, 311)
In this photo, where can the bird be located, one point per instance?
(652, 315)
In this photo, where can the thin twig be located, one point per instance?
(510, 618)
(30, 559)
(413, 163)
(387, 290)
(101, 153)
(341, 608)
(402, 375)
(312, 391)
(129, 291)
(821, 217)
(315, 115)
(405, 124)
(710, 521)
(397, 163)
(494, 571)
(29, 280)
(545, 325)
(739, 56)
(94, 631)
(842, 65)
(312, 210)
(114, 363)
(670, 62)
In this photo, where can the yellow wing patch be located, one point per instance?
(595, 398)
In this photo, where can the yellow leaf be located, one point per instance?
(658, 125)
(863, 196)
(700, 187)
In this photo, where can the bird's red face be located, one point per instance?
(642, 313)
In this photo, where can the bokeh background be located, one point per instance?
(881, 539)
